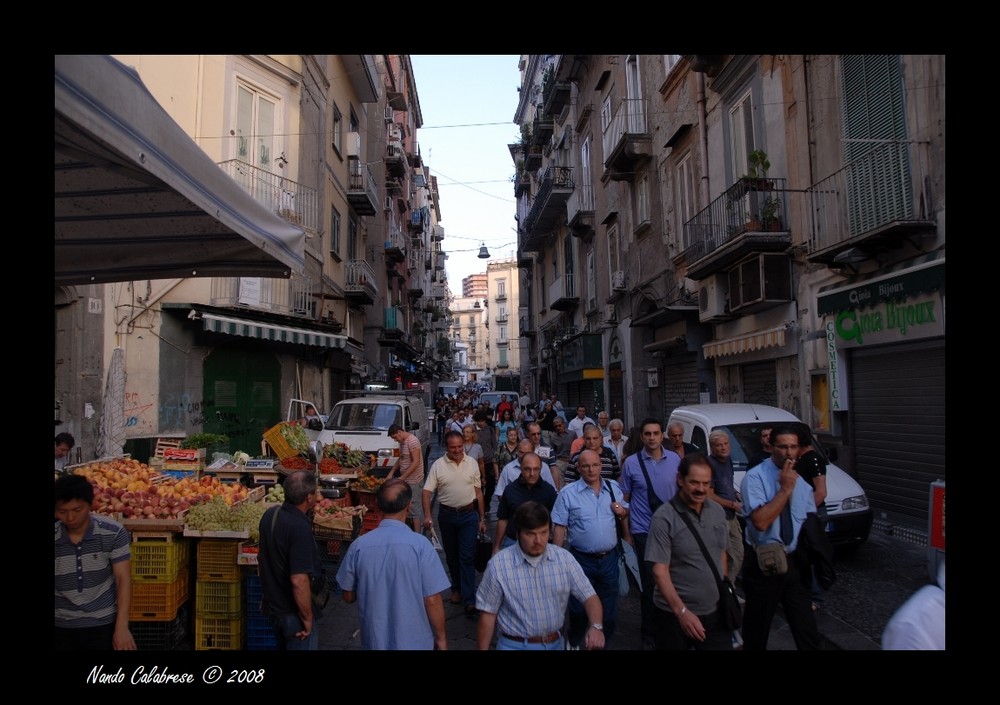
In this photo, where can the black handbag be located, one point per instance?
(730, 611)
(484, 551)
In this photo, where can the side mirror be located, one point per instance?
(414, 425)
(315, 452)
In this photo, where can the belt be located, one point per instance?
(471, 507)
(595, 556)
(547, 639)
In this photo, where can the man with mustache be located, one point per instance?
(686, 594)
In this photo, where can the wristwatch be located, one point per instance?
(598, 626)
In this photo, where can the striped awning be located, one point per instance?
(770, 338)
(268, 331)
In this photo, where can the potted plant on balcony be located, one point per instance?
(759, 164)
(770, 213)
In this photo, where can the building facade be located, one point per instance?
(474, 286)
(764, 229)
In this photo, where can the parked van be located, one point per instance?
(362, 423)
(847, 508)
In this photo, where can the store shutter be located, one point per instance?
(679, 378)
(898, 426)
(760, 383)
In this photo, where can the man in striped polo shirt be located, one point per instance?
(93, 576)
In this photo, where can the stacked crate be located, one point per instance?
(373, 515)
(218, 596)
(260, 632)
(160, 589)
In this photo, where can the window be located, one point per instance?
(354, 126)
(256, 116)
(338, 131)
(501, 288)
(352, 238)
(669, 61)
(502, 314)
(335, 234)
(614, 249)
(542, 292)
(586, 186)
(685, 206)
(502, 357)
(591, 282)
(502, 334)
(606, 114)
(741, 135)
(642, 200)
(636, 109)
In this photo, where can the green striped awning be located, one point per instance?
(268, 331)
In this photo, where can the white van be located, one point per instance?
(850, 516)
(362, 423)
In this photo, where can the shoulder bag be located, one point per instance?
(651, 496)
(319, 586)
(623, 586)
(730, 611)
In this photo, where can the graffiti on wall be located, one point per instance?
(137, 419)
(181, 411)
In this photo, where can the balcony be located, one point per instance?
(526, 325)
(437, 234)
(626, 141)
(362, 191)
(580, 211)
(502, 317)
(549, 205)
(289, 297)
(522, 183)
(563, 294)
(749, 217)
(359, 282)
(395, 247)
(502, 364)
(416, 222)
(533, 158)
(874, 202)
(541, 130)
(437, 291)
(503, 343)
(287, 199)
(395, 159)
(414, 158)
(555, 94)
(415, 285)
(393, 327)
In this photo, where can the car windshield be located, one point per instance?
(364, 417)
(744, 442)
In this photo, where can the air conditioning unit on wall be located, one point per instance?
(388, 114)
(712, 298)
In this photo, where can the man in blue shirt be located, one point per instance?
(775, 502)
(586, 518)
(649, 478)
(529, 486)
(397, 579)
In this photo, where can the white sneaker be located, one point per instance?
(737, 640)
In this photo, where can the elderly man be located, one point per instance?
(686, 598)
(593, 440)
(776, 501)
(675, 440)
(486, 437)
(616, 441)
(528, 487)
(589, 516)
(649, 478)
(288, 564)
(723, 492)
(526, 587)
(512, 470)
(561, 441)
(397, 579)
(461, 516)
(604, 424)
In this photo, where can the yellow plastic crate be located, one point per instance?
(278, 443)
(212, 634)
(218, 599)
(159, 558)
(155, 602)
(218, 559)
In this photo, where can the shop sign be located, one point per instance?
(889, 321)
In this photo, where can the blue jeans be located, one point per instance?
(286, 626)
(505, 644)
(603, 575)
(459, 532)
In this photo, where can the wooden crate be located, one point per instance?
(163, 443)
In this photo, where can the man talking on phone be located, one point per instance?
(775, 502)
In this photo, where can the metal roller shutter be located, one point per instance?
(760, 383)
(898, 426)
(680, 382)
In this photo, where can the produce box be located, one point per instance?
(190, 454)
(219, 598)
(160, 635)
(158, 558)
(158, 601)
(217, 559)
(341, 528)
(260, 634)
(279, 444)
(218, 634)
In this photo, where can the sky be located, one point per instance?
(468, 104)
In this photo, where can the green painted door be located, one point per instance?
(241, 395)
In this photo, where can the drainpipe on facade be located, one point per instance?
(703, 128)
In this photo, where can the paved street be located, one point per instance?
(872, 583)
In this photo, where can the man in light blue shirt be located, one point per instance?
(586, 517)
(512, 470)
(397, 579)
(775, 502)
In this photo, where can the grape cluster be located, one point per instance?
(216, 515)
